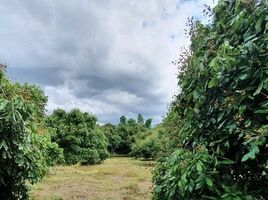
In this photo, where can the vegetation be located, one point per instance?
(31, 142)
(113, 137)
(76, 132)
(122, 137)
(148, 145)
(24, 157)
(222, 109)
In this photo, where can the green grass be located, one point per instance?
(118, 178)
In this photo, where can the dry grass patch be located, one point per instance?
(118, 178)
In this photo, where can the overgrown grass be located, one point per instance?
(118, 178)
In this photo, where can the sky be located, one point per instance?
(107, 57)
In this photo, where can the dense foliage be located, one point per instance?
(76, 132)
(23, 156)
(123, 136)
(148, 144)
(127, 130)
(222, 109)
(113, 137)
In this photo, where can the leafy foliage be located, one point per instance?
(114, 139)
(222, 109)
(123, 136)
(129, 131)
(77, 134)
(148, 145)
(22, 158)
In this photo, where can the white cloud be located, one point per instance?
(63, 97)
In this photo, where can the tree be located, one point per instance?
(112, 134)
(222, 109)
(148, 123)
(77, 134)
(24, 158)
(127, 132)
(123, 120)
(140, 119)
(122, 137)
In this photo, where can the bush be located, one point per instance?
(222, 108)
(77, 134)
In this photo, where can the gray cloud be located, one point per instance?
(40, 76)
(106, 57)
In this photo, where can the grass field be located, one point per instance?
(118, 178)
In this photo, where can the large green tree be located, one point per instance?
(76, 132)
(222, 108)
(25, 149)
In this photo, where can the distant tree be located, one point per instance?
(123, 136)
(140, 119)
(127, 132)
(123, 120)
(131, 121)
(112, 134)
(148, 123)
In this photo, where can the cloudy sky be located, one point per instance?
(107, 57)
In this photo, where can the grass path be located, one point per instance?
(118, 178)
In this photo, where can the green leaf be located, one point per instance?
(220, 116)
(199, 167)
(209, 182)
(261, 111)
(227, 162)
(213, 120)
(258, 89)
(253, 151)
(250, 37)
(258, 25)
(3, 104)
(243, 76)
(3, 144)
(213, 82)
(199, 185)
(214, 64)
